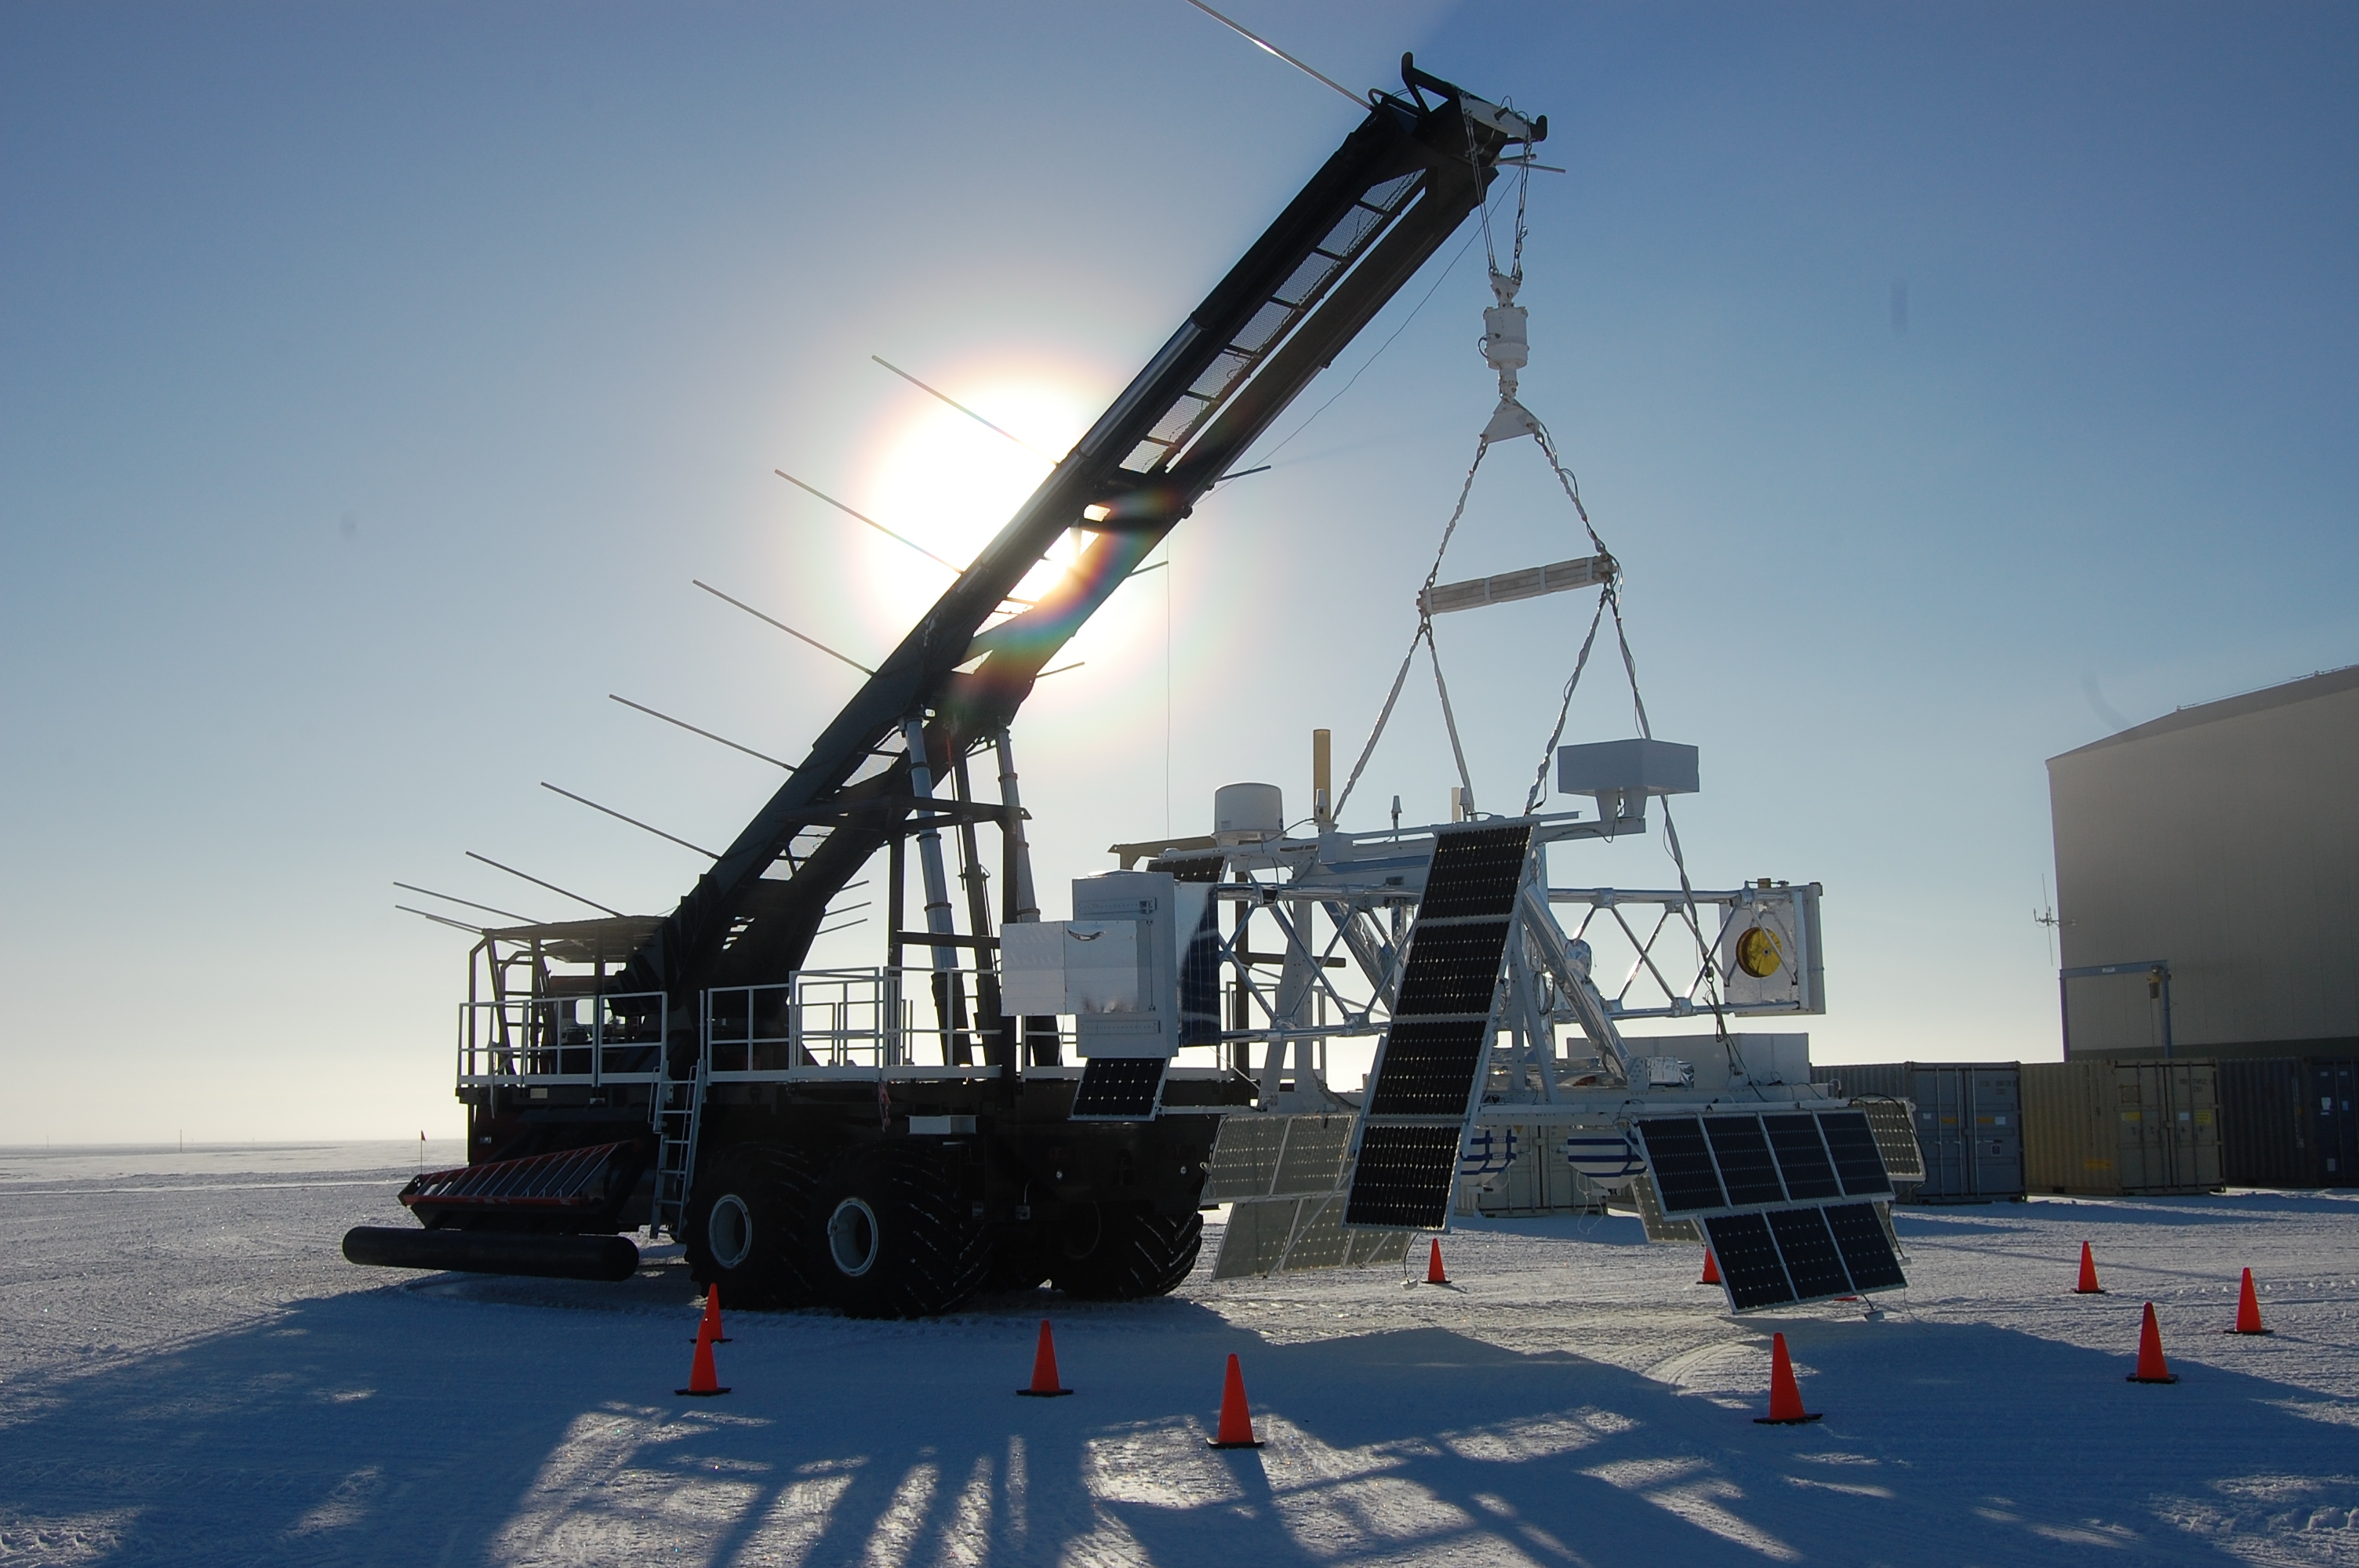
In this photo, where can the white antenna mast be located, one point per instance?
(1256, 39)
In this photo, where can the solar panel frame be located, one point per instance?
(1403, 1177)
(1474, 871)
(1691, 1182)
(1801, 1154)
(1660, 1226)
(1751, 1270)
(1429, 1066)
(1452, 969)
(1813, 1263)
(1851, 1144)
(1866, 1250)
(1119, 1089)
(1245, 1160)
(1748, 1174)
(1256, 1238)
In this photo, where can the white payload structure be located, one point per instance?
(1474, 973)
(1448, 945)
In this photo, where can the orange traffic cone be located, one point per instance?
(711, 1322)
(701, 1383)
(1710, 1268)
(1044, 1369)
(1236, 1422)
(1433, 1274)
(2151, 1366)
(2087, 1285)
(1785, 1394)
(2248, 1310)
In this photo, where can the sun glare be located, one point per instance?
(940, 477)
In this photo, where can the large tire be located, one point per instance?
(747, 1228)
(1119, 1252)
(895, 1236)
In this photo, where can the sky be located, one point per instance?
(1956, 384)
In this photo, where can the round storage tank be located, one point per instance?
(1246, 811)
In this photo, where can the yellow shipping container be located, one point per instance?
(2105, 1128)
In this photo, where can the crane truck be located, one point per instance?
(891, 1141)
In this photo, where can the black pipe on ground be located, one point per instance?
(611, 1257)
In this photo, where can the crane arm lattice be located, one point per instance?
(1371, 216)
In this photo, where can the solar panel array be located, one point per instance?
(1724, 1161)
(1431, 1057)
(1808, 1252)
(1282, 1177)
(1119, 1089)
(1287, 1236)
(1259, 1155)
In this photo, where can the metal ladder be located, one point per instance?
(679, 1108)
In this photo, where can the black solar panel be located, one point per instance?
(1811, 1261)
(1474, 871)
(1121, 1087)
(1802, 1157)
(1746, 1171)
(1681, 1164)
(1432, 1055)
(1748, 1261)
(1429, 1068)
(1853, 1145)
(1866, 1251)
(1403, 1177)
(1453, 968)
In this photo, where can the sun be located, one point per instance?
(948, 483)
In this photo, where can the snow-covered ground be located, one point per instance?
(192, 1374)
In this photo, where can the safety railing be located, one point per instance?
(542, 1040)
(822, 1021)
(845, 1023)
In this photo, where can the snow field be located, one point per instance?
(189, 1373)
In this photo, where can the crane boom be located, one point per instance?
(1401, 183)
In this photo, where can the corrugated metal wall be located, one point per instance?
(2250, 905)
(2109, 1128)
(1969, 1122)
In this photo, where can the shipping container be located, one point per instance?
(2108, 1127)
(2287, 1122)
(2265, 1138)
(2334, 1087)
(1968, 1121)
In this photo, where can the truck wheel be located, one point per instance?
(747, 1227)
(895, 1236)
(1115, 1252)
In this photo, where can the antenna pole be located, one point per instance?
(539, 883)
(1259, 42)
(708, 734)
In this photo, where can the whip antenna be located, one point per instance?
(1258, 41)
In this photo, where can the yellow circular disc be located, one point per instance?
(1758, 953)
